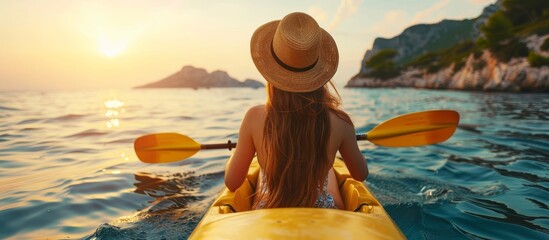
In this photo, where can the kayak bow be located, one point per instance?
(231, 215)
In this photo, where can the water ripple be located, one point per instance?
(9, 108)
(506, 214)
(88, 133)
(68, 117)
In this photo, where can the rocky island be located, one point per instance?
(191, 77)
(501, 50)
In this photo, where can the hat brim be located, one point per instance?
(287, 80)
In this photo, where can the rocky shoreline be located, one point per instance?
(484, 73)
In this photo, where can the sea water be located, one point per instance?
(68, 170)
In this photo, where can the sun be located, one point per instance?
(111, 48)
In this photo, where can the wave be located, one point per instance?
(173, 225)
(470, 127)
(181, 118)
(88, 133)
(396, 190)
(7, 135)
(68, 117)
(29, 129)
(9, 108)
(175, 198)
(27, 121)
(126, 140)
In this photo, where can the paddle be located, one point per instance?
(408, 130)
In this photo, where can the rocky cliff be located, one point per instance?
(484, 73)
(419, 39)
(191, 77)
(454, 54)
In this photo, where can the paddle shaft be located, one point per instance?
(229, 145)
(360, 137)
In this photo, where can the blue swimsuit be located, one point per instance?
(325, 200)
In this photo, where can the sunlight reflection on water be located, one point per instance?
(114, 109)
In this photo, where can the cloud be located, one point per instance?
(345, 9)
(392, 24)
(395, 21)
(317, 13)
(394, 16)
(430, 14)
(481, 2)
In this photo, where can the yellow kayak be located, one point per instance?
(231, 216)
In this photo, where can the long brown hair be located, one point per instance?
(295, 137)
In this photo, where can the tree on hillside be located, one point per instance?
(500, 38)
(382, 65)
(497, 30)
(525, 11)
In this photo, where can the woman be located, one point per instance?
(297, 133)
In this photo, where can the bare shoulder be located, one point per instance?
(337, 122)
(340, 129)
(256, 112)
(257, 109)
(254, 116)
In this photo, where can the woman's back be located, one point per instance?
(299, 130)
(341, 138)
(338, 128)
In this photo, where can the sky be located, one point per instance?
(79, 45)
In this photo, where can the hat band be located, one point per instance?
(288, 67)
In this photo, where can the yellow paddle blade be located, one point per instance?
(164, 147)
(415, 129)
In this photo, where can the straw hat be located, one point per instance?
(294, 54)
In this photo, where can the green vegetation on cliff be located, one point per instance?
(503, 34)
(518, 19)
(434, 61)
(382, 64)
(537, 60)
(527, 16)
(545, 45)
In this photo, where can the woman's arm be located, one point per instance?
(237, 166)
(351, 154)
